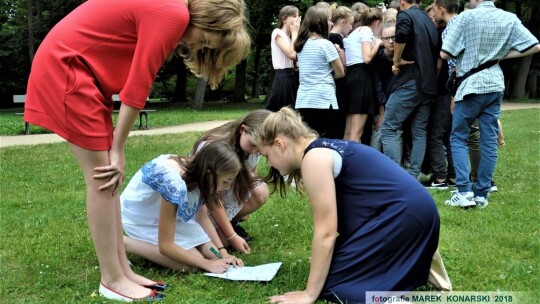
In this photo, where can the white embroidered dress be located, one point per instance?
(141, 200)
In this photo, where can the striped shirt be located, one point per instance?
(317, 89)
(480, 35)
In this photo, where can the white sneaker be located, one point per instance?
(481, 202)
(461, 200)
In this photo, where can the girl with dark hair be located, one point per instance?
(285, 85)
(248, 193)
(165, 208)
(318, 59)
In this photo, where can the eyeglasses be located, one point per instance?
(393, 38)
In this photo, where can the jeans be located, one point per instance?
(404, 102)
(486, 108)
(438, 145)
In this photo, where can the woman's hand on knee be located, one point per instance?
(113, 172)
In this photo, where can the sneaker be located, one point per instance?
(493, 187)
(437, 185)
(450, 182)
(462, 200)
(481, 202)
(241, 231)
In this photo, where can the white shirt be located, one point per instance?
(353, 44)
(279, 59)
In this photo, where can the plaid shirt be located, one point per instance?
(451, 62)
(480, 35)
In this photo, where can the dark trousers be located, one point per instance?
(438, 141)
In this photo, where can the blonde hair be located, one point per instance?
(390, 14)
(285, 122)
(227, 19)
(340, 12)
(370, 15)
(359, 7)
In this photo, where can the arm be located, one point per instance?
(220, 216)
(368, 51)
(208, 226)
(319, 183)
(500, 137)
(517, 54)
(115, 170)
(286, 47)
(445, 55)
(167, 246)
(342, 57)
(398, 51)
(339, 71)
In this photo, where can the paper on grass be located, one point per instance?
(264, 272)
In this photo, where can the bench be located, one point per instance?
(143, 113)
(115, 97)
(22, 99)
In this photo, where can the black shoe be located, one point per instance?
(437, 185)
(241, 231)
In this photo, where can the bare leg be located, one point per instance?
(151, 252)
(259, 196)
(103, 223)
(354, 127)
(122, 252)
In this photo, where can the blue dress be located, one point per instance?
(388, 225)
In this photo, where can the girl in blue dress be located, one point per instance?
(387, 224)
(165, 208)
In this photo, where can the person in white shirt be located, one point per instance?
(361, 47)
(285, 85)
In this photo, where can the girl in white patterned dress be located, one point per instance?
(165, 209)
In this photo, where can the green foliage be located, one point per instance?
(47, 254)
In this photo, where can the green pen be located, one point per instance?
(216, 253)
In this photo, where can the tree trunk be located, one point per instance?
(39, 12)
(255, 92)
(518, 87)
(180, 94)
(240, 82)
(199, 94)
(29, 16)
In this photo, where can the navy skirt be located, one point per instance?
(283, 91)
(360, 94)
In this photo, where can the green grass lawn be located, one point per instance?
(47, 255)
(167, 114)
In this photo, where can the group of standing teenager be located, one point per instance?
(389, 87)
(375, 227)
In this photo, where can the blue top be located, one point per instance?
(388, 225)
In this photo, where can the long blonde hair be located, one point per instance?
(226, 18)
(285, 122)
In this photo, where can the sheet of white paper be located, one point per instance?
(264, 272)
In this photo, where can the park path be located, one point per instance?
(36, 139)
